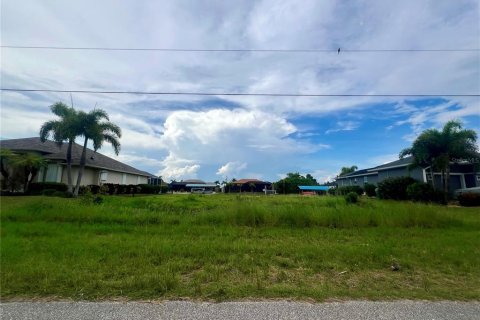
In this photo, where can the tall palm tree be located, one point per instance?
(96, 127)
(65, 129)
(436, 148)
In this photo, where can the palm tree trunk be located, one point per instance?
(447, 182)
(69, 166)
(82, 167)
(26, 173)
(433, 178)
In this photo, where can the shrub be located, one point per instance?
(351, 197)
(149, 189)
(395, 188)
(420, 191)
(61, 194)
(370, 189)
(48, 192)
(347, 189)
(332, 191)
(424, 192)
(94, 189)
(39, 187)
(469, 199)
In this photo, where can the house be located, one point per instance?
(464, 174)
(192, 185)
(250, 185)
(99, 168)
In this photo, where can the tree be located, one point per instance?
(66, 129)
(437, 149)
(347, 170)
(95, 126)
(31, 163)
(252, 186)
(18, 169)
(290, 183)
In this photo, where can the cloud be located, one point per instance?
(231, 168)
(344, 126)
(196, 136)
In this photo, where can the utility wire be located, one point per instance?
(236, 50)
(237, 94)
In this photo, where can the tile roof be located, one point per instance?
(52, 151)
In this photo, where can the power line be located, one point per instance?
(236, 94)
(235, 50)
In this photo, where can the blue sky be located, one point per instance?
(213, 138)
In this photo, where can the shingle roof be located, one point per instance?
(50, 150)
(401, 162)
(355, 173)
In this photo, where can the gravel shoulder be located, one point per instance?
(406, 309)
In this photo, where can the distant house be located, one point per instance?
(250, 185)
(99, 169)
(463, 174)
(192, 185)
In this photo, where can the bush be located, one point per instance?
(347, 189)
(61, 194)
(94, 189)
(48, 192)
(351, 197)
(370, 189)
(39, 187)
(149, 189)
(420, 191)
(394, 188)
(469, 199)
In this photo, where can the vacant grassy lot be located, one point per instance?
(232, 247)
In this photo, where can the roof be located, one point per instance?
(357, 173)
(197, 181)
(365, 172)
(314, 188)
(397, 163)
(201, 185)
(52, 151)
(244, 181)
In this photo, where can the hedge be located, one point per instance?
(347, 189)
(395, 188)
(38, 187)
(469, 199)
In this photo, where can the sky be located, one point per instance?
(224, 137)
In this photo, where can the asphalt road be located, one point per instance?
(403, 310)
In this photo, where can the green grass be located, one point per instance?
(226, 247)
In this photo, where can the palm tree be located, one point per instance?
(96, 127)
(31, 164)
(67, 128)
(437, 149)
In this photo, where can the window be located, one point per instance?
(52, 171)
(124, 178)
(103, 176)
(365, 179)
(429, 176)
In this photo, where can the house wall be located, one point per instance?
(415, 173)
(92, 176)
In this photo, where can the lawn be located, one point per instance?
(228, 247)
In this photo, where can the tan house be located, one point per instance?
(99, 169)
